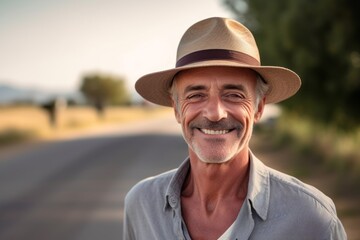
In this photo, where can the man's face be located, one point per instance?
(216, 109)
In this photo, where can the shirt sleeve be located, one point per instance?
(337, 231)
(128, 230)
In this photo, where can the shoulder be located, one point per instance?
(144, 202)
(150, 188)
(299, 202)
(288, 191)
(294, 188)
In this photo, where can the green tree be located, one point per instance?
(104, 89)
(320, 40)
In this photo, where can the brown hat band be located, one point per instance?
(217, 54)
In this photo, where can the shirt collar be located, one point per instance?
(173, 192)
(258, 188)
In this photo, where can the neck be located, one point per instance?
(212, 183)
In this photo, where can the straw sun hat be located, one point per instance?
(218, 42)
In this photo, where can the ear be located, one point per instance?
(260, 110)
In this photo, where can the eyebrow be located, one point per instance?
(234, 87)
(238, 87)
(192, 88)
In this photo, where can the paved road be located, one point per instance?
(74, 188)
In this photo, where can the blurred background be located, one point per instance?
(74, 135)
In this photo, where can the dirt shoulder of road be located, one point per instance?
(111, 124)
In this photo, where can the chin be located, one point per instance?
(216, 155)
(214, 158)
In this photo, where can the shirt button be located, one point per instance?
(173, 201)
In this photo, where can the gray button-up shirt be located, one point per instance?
(277, 206)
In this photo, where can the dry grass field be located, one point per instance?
(22, 123)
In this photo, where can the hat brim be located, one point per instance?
(283, 83)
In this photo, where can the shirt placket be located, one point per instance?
(176, 209)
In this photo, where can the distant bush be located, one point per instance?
(11, 136)
(102, 90)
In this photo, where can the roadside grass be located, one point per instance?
(26, 123)
(319, 149)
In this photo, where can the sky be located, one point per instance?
(50, 44)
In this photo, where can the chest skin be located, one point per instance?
(210, 221)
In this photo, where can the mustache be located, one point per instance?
(223, 124)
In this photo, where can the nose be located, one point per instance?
(214, 110)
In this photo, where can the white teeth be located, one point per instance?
(214, 132)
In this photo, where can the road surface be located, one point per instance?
(74, 188)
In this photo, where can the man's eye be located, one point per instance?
(196, 96)
(234, 96)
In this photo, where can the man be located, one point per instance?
(218, 90)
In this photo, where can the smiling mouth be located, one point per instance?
(214, 132)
